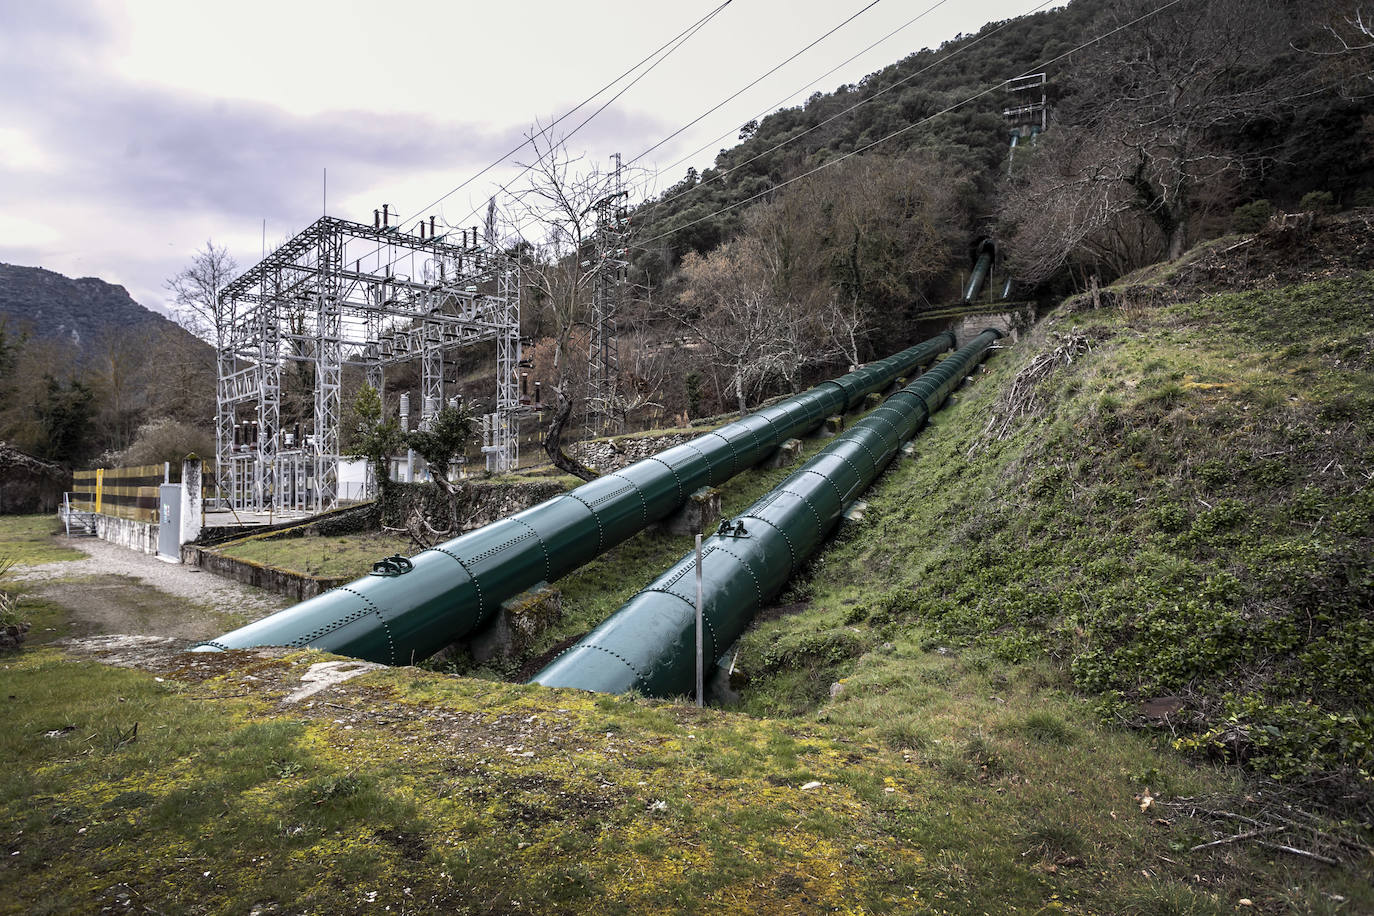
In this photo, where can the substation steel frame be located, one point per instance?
(342, 293)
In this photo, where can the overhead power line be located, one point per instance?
(857, 105)
(751, 85)
(547, 131)
(505, 187)
(796, 92)
(661, 53)
(956, 106)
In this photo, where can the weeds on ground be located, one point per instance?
(323, 556)
(199, 791)
(1188, 519)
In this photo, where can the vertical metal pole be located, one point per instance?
(67, 512)
(701, 670)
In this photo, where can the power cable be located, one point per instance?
(792, 95)
(505, 188)
(859, 104)
(957, 105)
(758, 80)
(671, 45)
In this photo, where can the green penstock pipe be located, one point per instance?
(649, 644)
(409, 609)
(980, 276)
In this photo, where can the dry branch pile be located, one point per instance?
(1021, 400)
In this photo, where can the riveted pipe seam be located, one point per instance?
(744, 564)
(677, 481)
(544, 548)
(337, 624)
(807, 503)
(791, 553)
(839, 494)
(481, 601)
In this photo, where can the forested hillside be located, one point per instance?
(855, 212)
(83, 366)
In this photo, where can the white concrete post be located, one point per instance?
(192, 504)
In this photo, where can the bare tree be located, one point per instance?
(856, 246)
(1344, 40)
(195, 293)
(555, 227)
(1142, 131)
(729, 305)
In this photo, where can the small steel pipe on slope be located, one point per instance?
(416, 607)
(650, 643)
(987, 252)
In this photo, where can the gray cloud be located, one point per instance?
(152, 155)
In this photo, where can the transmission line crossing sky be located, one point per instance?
(130, 133)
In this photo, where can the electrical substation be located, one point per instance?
(342, 294)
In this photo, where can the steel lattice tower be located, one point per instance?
(605, 407)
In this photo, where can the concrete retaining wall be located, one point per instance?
(281, 581)
(140, 536)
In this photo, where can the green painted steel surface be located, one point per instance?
(979, 277)
(650, 644)
(458, 587)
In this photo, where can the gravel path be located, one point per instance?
(186, 582)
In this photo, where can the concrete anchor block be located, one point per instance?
(873, 400)
(832, 426)
(697, 516)
(518, 623)
(854, 514)
(786, 455)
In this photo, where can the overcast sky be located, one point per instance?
(133, 130)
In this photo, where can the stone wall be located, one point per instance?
(1012, 324)
(617, 452)
(479, 502)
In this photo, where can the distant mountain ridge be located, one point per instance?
(79, 312)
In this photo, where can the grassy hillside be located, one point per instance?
(1168, 502)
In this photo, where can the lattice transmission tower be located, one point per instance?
(605, 406)
(344, 293)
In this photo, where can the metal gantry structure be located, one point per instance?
(343, 293)
(1027, 115)
(605, 407)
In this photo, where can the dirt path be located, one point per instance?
(116, 590)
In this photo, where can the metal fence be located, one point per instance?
(130, 493)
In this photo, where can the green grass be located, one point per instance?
(431, 794)
(1183, 512)
(28, 540)
(1186, 514)
(324, 556)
